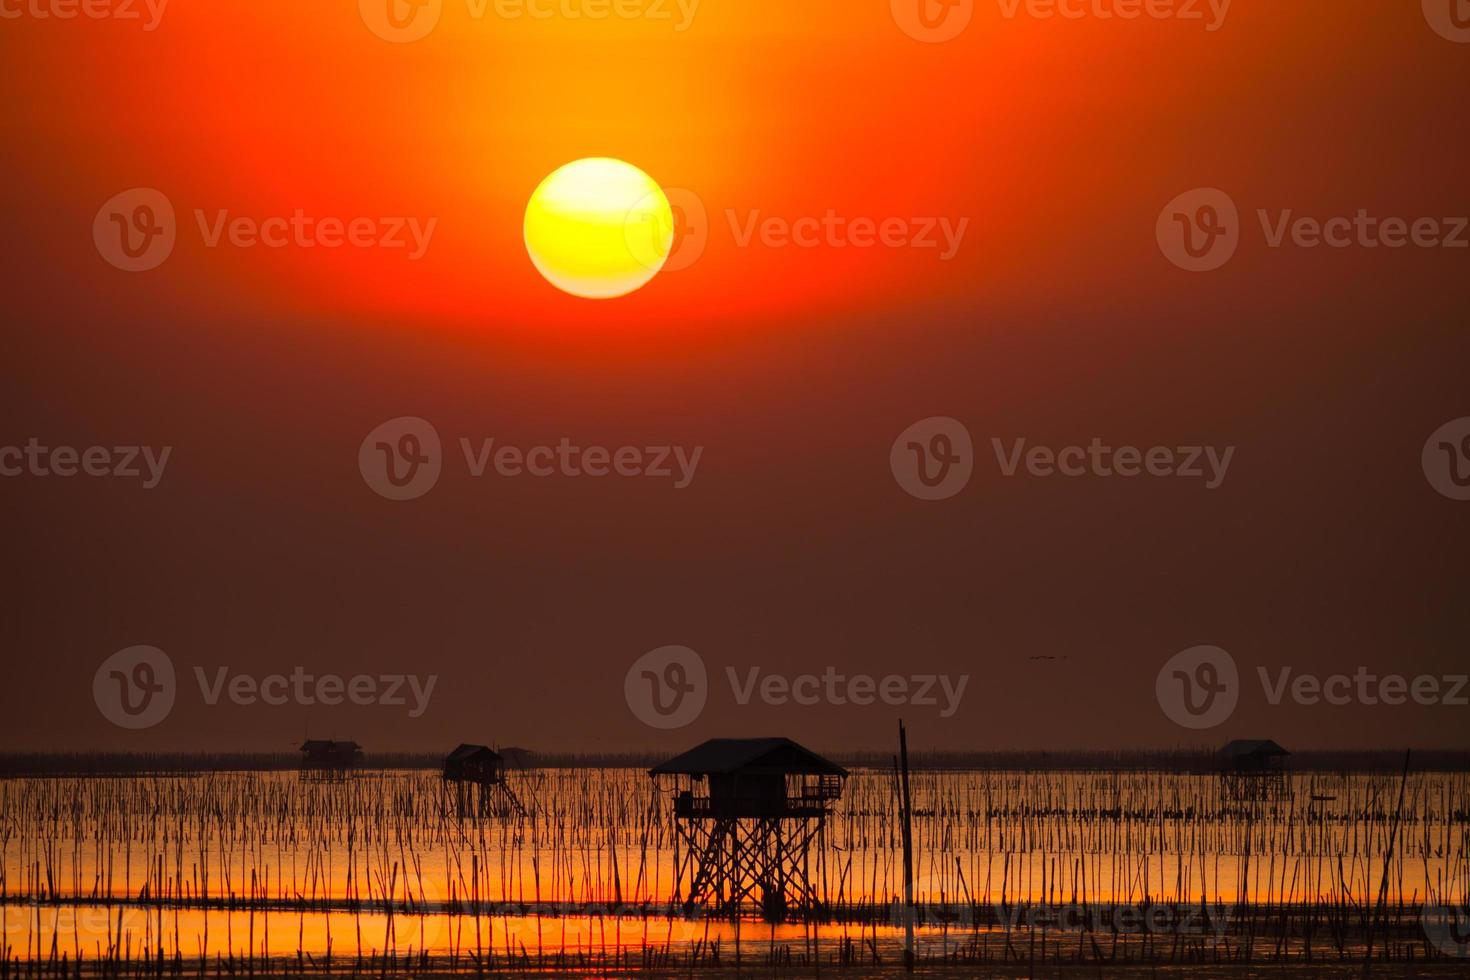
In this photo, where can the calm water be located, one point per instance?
(249, 864)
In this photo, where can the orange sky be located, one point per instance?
(1057, 140)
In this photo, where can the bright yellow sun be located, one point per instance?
(599, 228)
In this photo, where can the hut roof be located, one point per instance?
(314, 744)
(467, 751)
(1243, 747)
(766, 756)
(517, 756)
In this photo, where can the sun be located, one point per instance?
(599, 228)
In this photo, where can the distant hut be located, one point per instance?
(748, 811)
(478, 774)
(474, 764)
(1253, 769)
(325, 759)
(1253, 755)
(516, 757)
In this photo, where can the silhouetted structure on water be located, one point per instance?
(1254, 769)
(478, 773)
(747, 812)
(328, 760)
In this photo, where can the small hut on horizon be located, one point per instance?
(478, 774)
(1253, 755)
(516, 757)
(327, 759)
(474, 764)
(1253, 769)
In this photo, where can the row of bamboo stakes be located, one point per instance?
(210, 871)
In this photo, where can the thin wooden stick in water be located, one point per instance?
(1387, 863)
(908, 851)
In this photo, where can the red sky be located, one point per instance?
(1057, 320)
